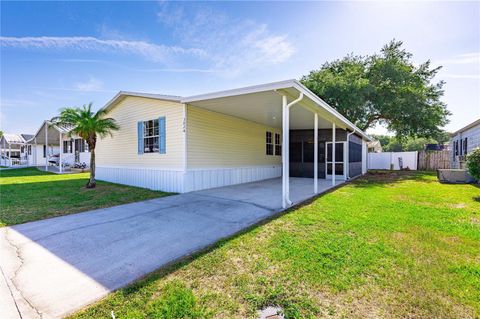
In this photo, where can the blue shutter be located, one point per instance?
(162, 149)
(141, 148)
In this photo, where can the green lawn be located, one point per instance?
(29, 194)
(388, 245)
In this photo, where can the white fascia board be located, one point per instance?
(246, 90)
(122, 94)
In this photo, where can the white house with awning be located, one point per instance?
(14, 151)
(56, 149)
(276, 130)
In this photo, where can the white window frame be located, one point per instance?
(145, 137)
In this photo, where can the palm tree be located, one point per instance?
(87, 125)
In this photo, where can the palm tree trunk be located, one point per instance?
(91, 182)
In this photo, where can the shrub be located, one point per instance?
(473, 163)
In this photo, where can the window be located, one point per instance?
(278, 145)
(456, 148)
(21, 149)
(29, 149)
(465, 146)
(44, 151)
(80, 145)
(354, 152)
(67, 146)
(269, 143)
(150, 136)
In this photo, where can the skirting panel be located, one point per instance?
(164, 180)
(210, 178)
(179, 182)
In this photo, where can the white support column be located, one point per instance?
(61, 153)
(74, 150)
(333, 154)
(35, 152)
(46, 146)
(285, 146)
(10, 154)
(4, 153)
(315, 155)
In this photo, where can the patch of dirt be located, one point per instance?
(458, 205)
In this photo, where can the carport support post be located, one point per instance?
(315, 154)
(333, 154)
(285, 155)
(61, 153)
(46, 146)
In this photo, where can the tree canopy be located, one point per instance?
(394, 144)
(88, 125)
(386, 88)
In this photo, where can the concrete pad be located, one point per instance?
(53, 267)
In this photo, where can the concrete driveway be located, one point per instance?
(53, 267)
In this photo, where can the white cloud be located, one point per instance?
(461, 76)
(150, 51)
(16, 103)
(233, 46)
(466, 58)
(91, 85)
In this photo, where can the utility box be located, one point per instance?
(454, 176)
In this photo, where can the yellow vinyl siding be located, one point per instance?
(216, 140)
(122, 149)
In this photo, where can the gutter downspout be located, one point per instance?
(348, 154)
(286, 202)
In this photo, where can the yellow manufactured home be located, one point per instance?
(179, 144)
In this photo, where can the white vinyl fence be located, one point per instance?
(393, 160)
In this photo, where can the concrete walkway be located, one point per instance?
(53, 267)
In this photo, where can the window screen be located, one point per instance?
(338, 152)
(268, 143)
(150, 136)
(278, 145)
(354, 152)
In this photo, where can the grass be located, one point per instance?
(28, 194)
(390, 245)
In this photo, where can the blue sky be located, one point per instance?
(58, 54)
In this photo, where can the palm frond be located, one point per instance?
(87, 124)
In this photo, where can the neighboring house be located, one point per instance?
(182, 144)
(14, 149)
(374, 147)
(52, 145)
(462, 142)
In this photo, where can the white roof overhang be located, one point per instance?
(13, 139)
(263, 104)
(53, 133)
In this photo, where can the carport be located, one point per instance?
(291, 107)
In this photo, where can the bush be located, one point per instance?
(473, 163)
